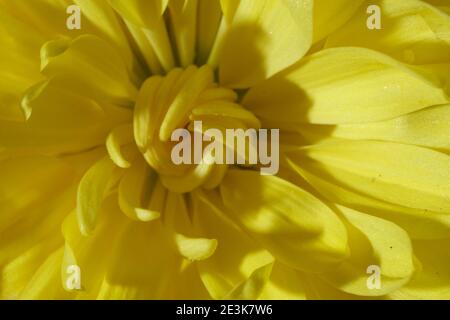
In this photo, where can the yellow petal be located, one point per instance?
(411, 31)
(92, 254)
(183, 18)
(142, 264)
(297, 228)
(59, 122)
(92, 190)
(120, 136)
(91, 67)
(420, 224)
(17, 273)
(427, 127)
(135, 190)
(237, 255)
(209, 16)
(406, 175)
(373, 242)
(20, 70)
(194, 248)
(182, 232)
(344, 85)
(25, 183)
(285, 284)
(108, 26)
(262, 38)
(331, 15)
(251, 288)
(142, 111)
(433, 280)
(148, 16)
(46, 282)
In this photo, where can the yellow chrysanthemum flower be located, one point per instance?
(86, 118)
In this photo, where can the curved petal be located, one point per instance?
(373, 242)
(433, 280)
(135, 191)
(341, 86)
(182, 232)
(297, 228)
(92, 190)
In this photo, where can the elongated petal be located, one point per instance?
(429, 127)
(263, 37)
(183, 15)
(209, 17)
(401, 174)
(118, 138)
(148, 16)
(344, 85)
(297, 228)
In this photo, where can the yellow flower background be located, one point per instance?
(86, 177)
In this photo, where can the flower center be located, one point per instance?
(181, 100)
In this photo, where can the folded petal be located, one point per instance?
(135, 191)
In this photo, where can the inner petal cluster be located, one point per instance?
(179, 100)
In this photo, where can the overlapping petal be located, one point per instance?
(341, 86)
